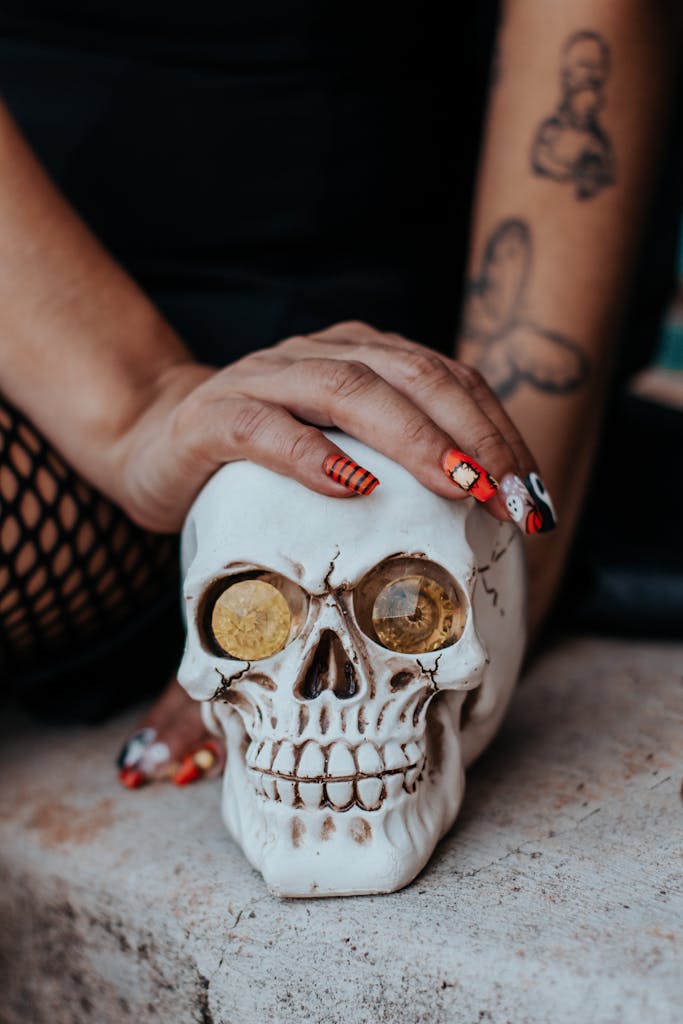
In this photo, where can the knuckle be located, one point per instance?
(419, 431)
(354, 326)
(302, 447)
(295, 341)
(251, 421)
(489, 444)
(422, 370)
(346, 379)
(471, 379)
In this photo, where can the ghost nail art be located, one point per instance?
(544, 504)
(528, 503)
(144, 759)
(134, 747)
(156, 762)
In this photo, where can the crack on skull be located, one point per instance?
(327, 583)
(225, 684)
(491, 591)
(430, 673)
(497, 555)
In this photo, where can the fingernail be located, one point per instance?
(156, 762)
(196, 764)
(135, 746)
(347, 472)
(468, 474)
(132, 778)
(528, 503)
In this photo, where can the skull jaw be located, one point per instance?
(306, 852)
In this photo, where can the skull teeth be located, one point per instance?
(336, 776)
(368, 759)
(337, 762)
(368, 794)
(286, 791)
(394, 785)
(311, 794)
(283, 764)
(395, 757)
(311, 762)
(339, 794)
(340, 761)
(262, 756)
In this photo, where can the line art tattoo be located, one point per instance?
(571, 145)
(498, 337)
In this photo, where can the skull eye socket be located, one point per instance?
(253, 615)
(411, 606)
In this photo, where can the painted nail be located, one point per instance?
(347, 472)
(132, 778)
(156, 762)
(135, 746)
(195, 765)
(468, 474)
(528, 503)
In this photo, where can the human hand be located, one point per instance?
(170, 744)
(419, 408)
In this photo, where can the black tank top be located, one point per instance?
(262, 168)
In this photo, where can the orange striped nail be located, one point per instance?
(347, 472)
(468, 474)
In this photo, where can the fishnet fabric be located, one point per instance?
(73, 568)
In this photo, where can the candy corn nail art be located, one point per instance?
(347, 472)
(468, 474)
(197, 764)
(528, 503)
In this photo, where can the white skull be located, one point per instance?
(345, 758)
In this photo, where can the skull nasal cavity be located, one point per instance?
(329, 668)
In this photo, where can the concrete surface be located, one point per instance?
(557, 897)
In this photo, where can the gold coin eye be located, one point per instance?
(410, 606)
(254, 615)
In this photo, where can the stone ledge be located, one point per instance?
(557, 897)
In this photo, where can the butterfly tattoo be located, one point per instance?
(499, 338)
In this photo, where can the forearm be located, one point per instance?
(572, 138)
(83, 349)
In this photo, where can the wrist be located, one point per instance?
(149, 443)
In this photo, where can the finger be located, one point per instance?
(351, 396)
(522, 493)
(419, 373)
(346, 333)
(257, 427)
(478, 421)
(205, 759)
(172, 739)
